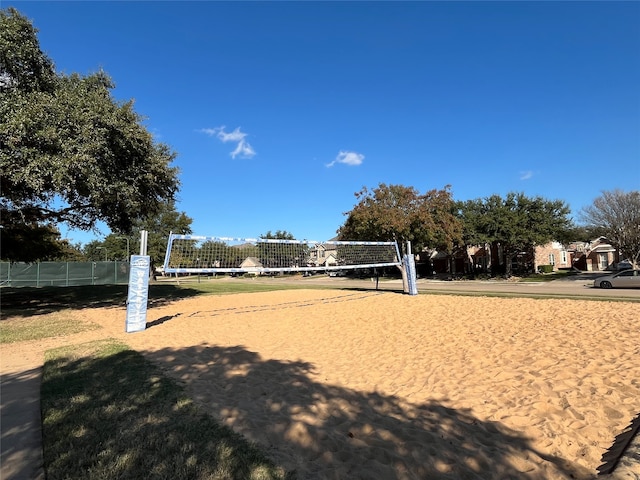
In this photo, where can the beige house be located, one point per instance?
(252, 265)
(323, 255)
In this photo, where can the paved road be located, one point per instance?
(579, 286)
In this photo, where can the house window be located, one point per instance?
(563, 257)
(603, 260)
(552, 259)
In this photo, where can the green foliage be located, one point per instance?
(69, 152)
(271, 255)
(280, 235)
(580, 233)
(516, 222)
(545, 268)
(159, 226)
(29, 243)
(396, 212)
(23, 65)
(35, 242)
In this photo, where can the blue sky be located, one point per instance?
(280, 112)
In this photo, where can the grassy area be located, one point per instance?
(547, 277)
(108, 413)
(34, 328)
(225, 285)
(535, 296)
(36, 313)
(28, 301)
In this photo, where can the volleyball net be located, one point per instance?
(192, 254)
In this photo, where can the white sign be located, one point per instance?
(138, 293)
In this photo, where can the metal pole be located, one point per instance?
(143, 242)
(127, 239)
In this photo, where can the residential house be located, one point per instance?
(597, 255)
(323, 255)
(433, 262)
(252, 265)
(552, 253)
(594, 256)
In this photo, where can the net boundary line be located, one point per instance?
(351, 297)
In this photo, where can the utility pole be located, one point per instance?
(127, 239)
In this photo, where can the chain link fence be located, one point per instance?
(63, 274)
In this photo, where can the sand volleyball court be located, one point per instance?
(357, 384)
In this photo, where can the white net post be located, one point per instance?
(409, 273)
(144, 234)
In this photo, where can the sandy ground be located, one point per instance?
(356, 384)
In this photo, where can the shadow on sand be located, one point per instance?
(312, 429)
(316, 430)
(29, 301)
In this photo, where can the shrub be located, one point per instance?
(545, 268)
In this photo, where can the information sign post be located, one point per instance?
(138, 293)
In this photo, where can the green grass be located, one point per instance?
(546, 277)
(32, 301)
(237, 285)
(36, 313)
(535, 296)
(108, 413)
(57, 324)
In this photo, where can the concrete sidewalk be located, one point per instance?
(21, 438)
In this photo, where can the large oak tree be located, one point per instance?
(396, 212)
(69, 152)
(167, 220)
(516, 222)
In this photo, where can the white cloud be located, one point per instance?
(352, 159)
(243, 149)
(526, 175)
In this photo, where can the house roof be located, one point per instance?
(324, 260)
(602, 248)
(600, 244)
(251, 262)
(243, 245)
